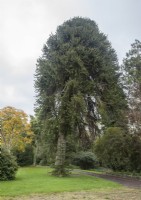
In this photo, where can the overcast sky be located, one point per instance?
(25, 26)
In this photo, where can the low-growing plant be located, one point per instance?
(135, 158)
(85, 160)
(119, 151)
(113, 149)
(8, 166)
(61, 172)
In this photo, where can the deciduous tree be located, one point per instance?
(132, 81)
(15, 128)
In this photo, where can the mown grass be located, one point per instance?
(38, 180)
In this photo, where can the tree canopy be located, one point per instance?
(132, 81)
(15, 129)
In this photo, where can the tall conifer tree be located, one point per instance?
(77, 85)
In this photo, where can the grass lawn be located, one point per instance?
(38, 180)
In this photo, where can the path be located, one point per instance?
(126, 181)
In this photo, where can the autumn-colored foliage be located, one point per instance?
(15, 128)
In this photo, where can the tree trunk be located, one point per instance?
(60, 156)
(35, 151)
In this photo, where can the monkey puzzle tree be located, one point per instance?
(77, 85)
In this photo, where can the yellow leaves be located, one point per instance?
(15, 128)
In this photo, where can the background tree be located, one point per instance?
(36, 127)
(77, 85)
(26, 157)
(132, 80)
(15, 129)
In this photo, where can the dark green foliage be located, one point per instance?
(61, 171)
(79, 55)
(135, 158)
(77, 82)
(113, 149)
(8, 166)
(119, 151)
(85, 160)
(25, 158)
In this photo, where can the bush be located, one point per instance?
(85, 160)
(113, 149)
(119, 151)
(135, 158)
(8, 166)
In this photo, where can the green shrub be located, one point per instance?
(8, 166)
(85, 160)
(113, 149)
(135, 158)
(119, 151)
